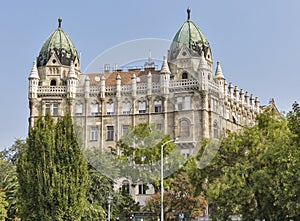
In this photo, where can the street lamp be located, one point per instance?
(109, 201)
(162, 177)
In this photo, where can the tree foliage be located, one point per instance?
(98, 189)
(52, 172)
(8, 178)
(141, 150)
(179, 197)
(3, 205)
(256, 173)
(293, 118)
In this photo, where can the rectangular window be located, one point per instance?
(94, 134)
(227, 114)
(142, 188)
(55, 109)
(94, 109)
(126, 108)
(110, 108)
(179, 103)
(125, 129)
(157, 106)
(187, 103)
(78, 109)
(110, 132)
(142, 107)
(158, 127)
(47, 108)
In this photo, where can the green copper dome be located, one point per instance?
(191, 36)
(60, 44)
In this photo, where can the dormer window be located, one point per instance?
(184, 75)
(53, 82)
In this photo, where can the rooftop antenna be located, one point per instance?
(149, 63)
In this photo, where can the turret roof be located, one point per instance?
(190, 35)
(60, 44)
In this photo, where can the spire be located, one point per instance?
(189, 13)
(34, 71)
(59, 22)
(165, 67)
(72, 73)
(203, 62)
(219, 73)
(150, 63)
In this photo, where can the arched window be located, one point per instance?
(94, 109)
(142, 107)
(184, 128)
(110, 108)
(125, 186)
(215, 130)
(126, 107)
(157, 106)
(184, 75)
(53, 83)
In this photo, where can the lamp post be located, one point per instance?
(162, 177)
(109, 201)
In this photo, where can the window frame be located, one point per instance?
(187, 103)
(94, 109)
(157, 106)
(79, 109)
(94, 133)
(184, 130)
(125, 129)
(110, 108)
(142, 109)
(110, 133)
(179, 103)
(55, 109)
(126, 108)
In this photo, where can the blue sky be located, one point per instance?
(256, 41)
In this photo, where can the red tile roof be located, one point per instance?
(110, 77)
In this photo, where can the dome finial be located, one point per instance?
(189, 13)
(59, 22)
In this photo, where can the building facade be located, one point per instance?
(185, 98)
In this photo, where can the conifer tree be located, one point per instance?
(3, 204)
(52, 172)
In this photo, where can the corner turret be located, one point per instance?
(165, 77)
(33, 81)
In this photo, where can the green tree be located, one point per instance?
(141, 150)
(255, 173)
(100, 186)
(3, 205)
(52, 172)
(180, 197)
(293, 118)
(8, 178)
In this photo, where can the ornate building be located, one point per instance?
(185, 98)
